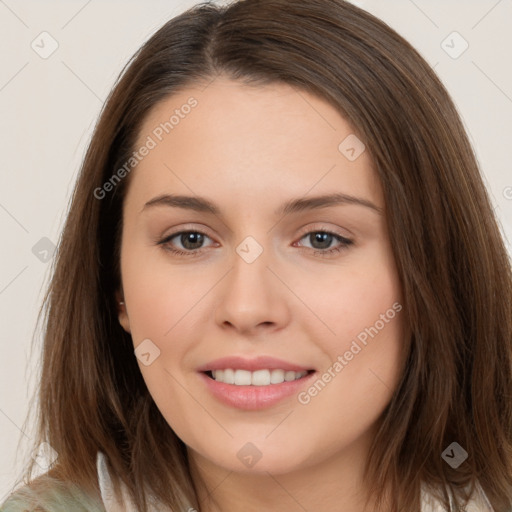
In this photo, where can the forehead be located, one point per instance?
(254, 141)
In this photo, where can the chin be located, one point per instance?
(255, 459)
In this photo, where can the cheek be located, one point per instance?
(363, 339)
(161, 297)
(363, 365)
(352, 299)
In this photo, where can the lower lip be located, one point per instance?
(254, 398)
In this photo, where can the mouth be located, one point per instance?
(263, 377)
(256, 390)
(254, 383)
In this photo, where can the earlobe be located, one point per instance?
(122, 314)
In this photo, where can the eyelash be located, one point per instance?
(345, 243)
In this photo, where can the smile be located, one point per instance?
(256, 378)
(243, 394)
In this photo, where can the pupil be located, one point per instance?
(194, 238)
(323, 238)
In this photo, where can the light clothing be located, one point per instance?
(478, 502)
(110, 502)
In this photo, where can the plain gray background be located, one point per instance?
(49, 104)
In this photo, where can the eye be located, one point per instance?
(191, 242)
(321, 241)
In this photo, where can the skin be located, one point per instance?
(249, 149)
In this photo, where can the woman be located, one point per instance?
(281, 284)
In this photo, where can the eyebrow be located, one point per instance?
(201, 204)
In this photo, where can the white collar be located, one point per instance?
(478, 503)
(110, 502)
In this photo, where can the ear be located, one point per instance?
(122, 313)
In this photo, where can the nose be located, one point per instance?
(252, 299)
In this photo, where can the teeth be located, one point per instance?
(256, 378)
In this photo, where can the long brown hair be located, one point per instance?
(454, 270)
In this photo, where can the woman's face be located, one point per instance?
(257, 280)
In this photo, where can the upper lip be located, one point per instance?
(258, 363)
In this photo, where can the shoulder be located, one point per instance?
(50, 495)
